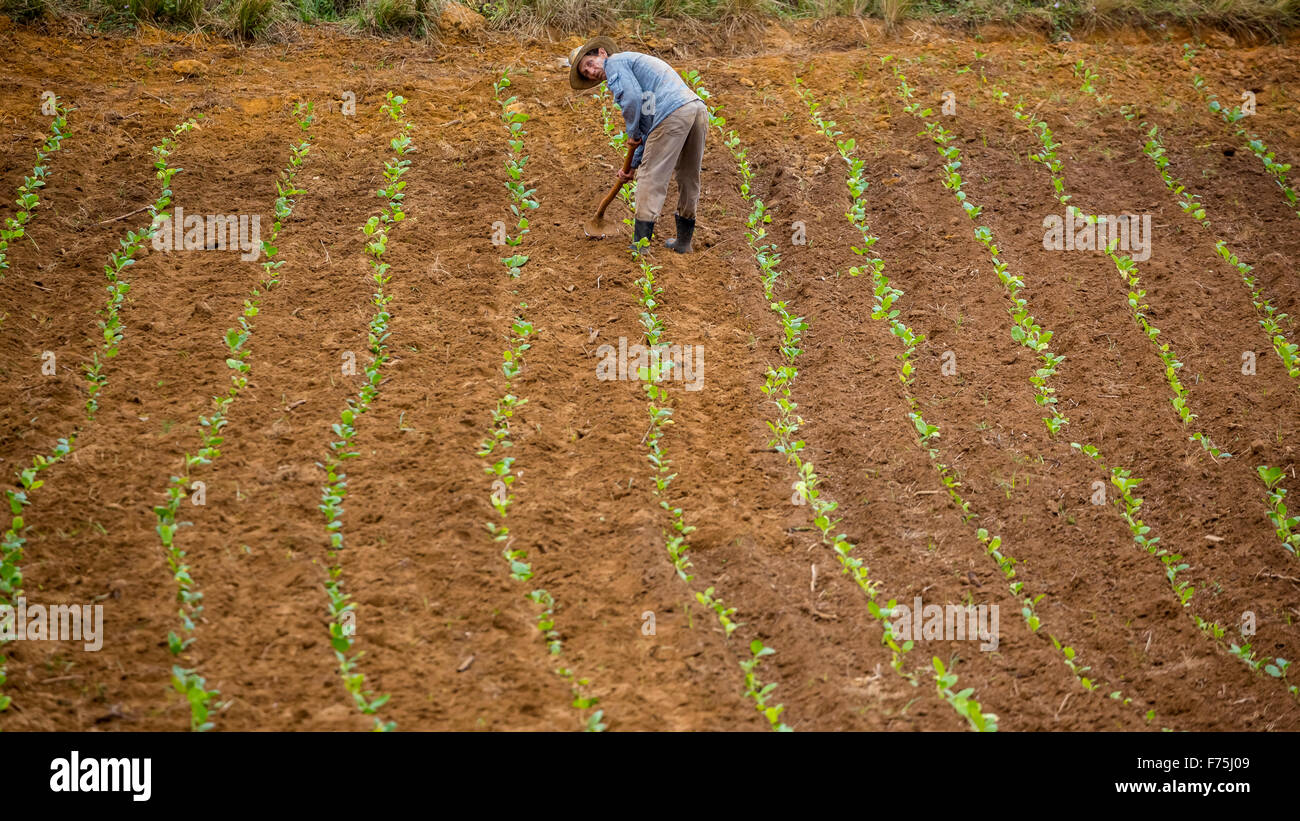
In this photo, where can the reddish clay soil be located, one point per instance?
(444, 628)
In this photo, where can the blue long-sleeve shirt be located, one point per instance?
(647, 90)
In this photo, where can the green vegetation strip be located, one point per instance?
(779, 381)
(659, 407)
(1269, 317)
(1128, 271)
(1027, 331)
(13, 541)
(1128, 505)
(501, 469)
(885, 296)
(28, 197)
(11, 545)
(342, 609)
(187, 681)
(119, 260)
(1233, 118)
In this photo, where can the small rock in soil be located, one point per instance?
(189, 68)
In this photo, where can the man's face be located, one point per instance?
(592, 66)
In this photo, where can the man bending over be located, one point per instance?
(666, 122)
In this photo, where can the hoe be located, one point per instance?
(596, 227)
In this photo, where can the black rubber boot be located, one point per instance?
(642, 229)
(685, 230)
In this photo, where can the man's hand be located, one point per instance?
(632, 143)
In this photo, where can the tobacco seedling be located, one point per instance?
(725, 614)
(1082, 71)
(758, 691)
(195, 689)
(28, 192)
(1287, 527)
(961, 701)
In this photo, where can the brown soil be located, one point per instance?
(444, 628)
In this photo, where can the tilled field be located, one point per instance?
(419, 507)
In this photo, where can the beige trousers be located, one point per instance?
(676, 144)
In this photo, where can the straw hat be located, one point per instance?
(576, 80)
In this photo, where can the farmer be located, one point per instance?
(666, 123)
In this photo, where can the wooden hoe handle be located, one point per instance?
(613, 192)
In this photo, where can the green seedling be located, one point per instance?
(1287, 527)
(756, 690)
(1085, 74)
(29, 191)
(961, 701)
(725, 614)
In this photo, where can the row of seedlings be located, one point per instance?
(1127, 504)
(494, 447)
(1025, 330)
(885, 296)
(112, 331)
(1127, 268)
(187, 681)
(1233, 118)
(29, 198)
(653, 376)
(779, 383)
(342, 628)
(1269, 317)
(118, 261)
